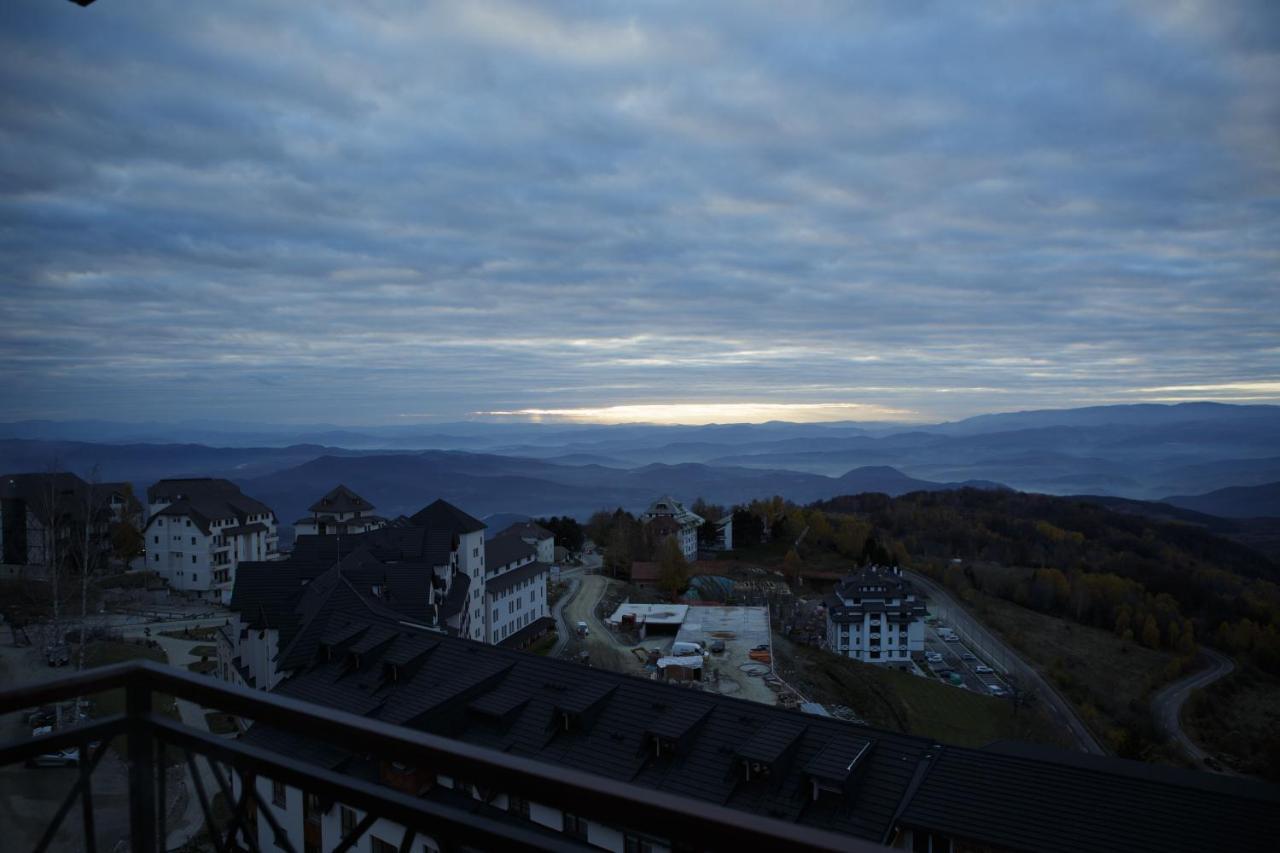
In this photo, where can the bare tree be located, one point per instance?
(95, 507)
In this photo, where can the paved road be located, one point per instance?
(1005, 658)
(563, 629)
(1168, 701)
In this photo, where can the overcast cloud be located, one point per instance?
(381, 211)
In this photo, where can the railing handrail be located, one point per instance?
(590, 795)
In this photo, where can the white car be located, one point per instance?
(983, 669)
(68, 757)
(995, 689)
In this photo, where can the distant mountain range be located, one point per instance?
(1234, 502)
(1214, 457)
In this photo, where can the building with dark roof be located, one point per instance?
(43, 515)
(875, 616)
(340, 512)
(870, 784)
(536, 535)
(429, 572)
(201, 529)
(668, 517)
(515, 592)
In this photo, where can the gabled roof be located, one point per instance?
(527, 530)
(189, 487)
(340, 499)
(204, 508)
(441, 514)
(504, 550)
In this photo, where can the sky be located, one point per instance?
(397, 212)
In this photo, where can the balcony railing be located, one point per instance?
(690, 824)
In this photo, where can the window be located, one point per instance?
(194, 577)
(636, 844)
(475, 552)
(348, 820)
(193, 558)
(188, 522)
(575, 826)
(377, 845)
(193, 540)
(157, 539)
(518, 806)
(277, 793)
(157, 558)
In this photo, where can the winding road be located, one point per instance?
(1168, 701)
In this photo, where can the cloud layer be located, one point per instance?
(357, 212)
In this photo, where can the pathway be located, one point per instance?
(1168, 701)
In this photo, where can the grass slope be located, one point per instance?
(907, 703)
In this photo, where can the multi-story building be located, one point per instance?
(426, 571)
(339, 513)
(200, 530)
(536, 535)
(875, 616)
(44, 515)
(668, 517)
(868, 784)
(515, 590)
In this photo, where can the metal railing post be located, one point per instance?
(142, 761)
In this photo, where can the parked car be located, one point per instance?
(68, 757)
(995, 690)
(951, 638)
(968, 656)
(717, 646)
(58, 655)
(582, 629)
(983, 668)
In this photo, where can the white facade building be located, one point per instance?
(667, 516)
(340, 512)
(536, 535)
(875, 616)
(515, 588)
(199, 531)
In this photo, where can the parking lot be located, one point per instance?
(958, 658)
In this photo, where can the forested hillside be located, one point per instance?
(1165, 583)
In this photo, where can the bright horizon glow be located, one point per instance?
(699, 414)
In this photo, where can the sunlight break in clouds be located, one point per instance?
(714, 413)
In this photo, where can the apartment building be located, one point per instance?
(44, 514)
(515, 588)
(340, 512)
(668, 517)
(536, 535)
(427, 571)
(875, 616)
(200, 530)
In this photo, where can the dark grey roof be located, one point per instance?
(444, 515)
(1023, 797)
(516, 702)
(506, 549)
(341, 499)
(527, 528)
(189, 487)
(497, 584)
(206, 507)
(65, 492)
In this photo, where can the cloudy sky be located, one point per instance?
(383, 212)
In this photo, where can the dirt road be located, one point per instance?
(1168, 701)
